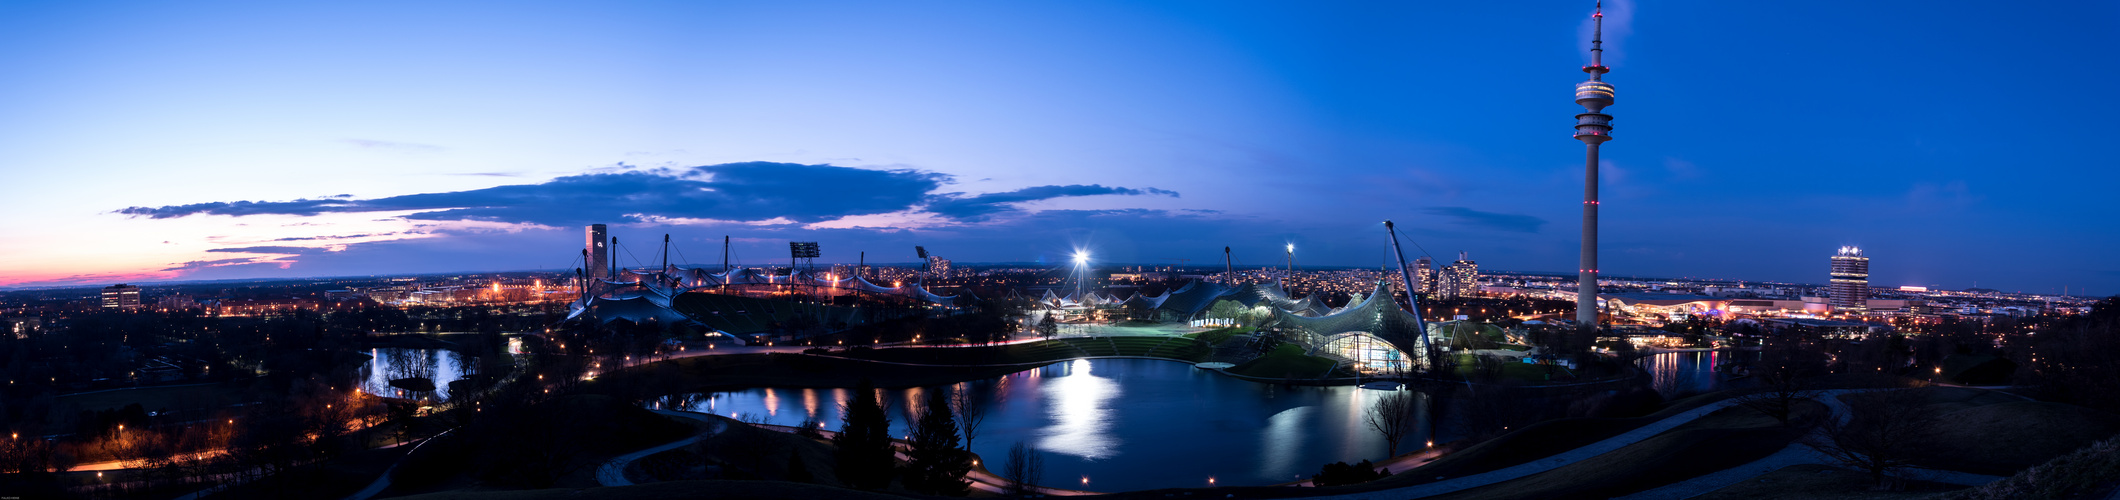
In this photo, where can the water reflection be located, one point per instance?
(1680, 374)
(1079, 414)
(439, 365)
(1128, 424)
(1284, 433)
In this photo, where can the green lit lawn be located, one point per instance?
(1288, 361)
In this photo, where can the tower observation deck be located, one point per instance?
(1593, 127)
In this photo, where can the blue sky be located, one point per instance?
(1955, 141)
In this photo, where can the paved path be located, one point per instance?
(1795, 454)
(1540, 465)
(383, 482)
(613, 473)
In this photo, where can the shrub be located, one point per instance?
(1339, 473)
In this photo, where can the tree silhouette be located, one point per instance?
(936, 463)
(864, 451)
(1395, 415)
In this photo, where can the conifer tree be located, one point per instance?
(864, 455)
(937, 463)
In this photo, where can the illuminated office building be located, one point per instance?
(1850, 289)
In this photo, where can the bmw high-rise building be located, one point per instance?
(1850, 289)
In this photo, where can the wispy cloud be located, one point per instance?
(203, 264)
(269, 249)
(338, 237)
(1489, 220)
(985, 206)
(392, 145)
(1930, 197)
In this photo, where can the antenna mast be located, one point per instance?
(1413, 300)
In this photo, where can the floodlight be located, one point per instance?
(1081, 257)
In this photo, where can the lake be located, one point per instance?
(1123, 424)
(1676, 374)
(390, 363)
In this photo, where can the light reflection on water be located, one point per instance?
(1677, 374)
(391, 363)
(1127, 424)
(1287, 426)
(1079, 413)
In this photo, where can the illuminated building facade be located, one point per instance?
(1424, 272)
(938, 266)
(1850, 289)
(121, 296)
(598, 262)
(1461, 278)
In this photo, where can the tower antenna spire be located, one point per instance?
(1597, 68)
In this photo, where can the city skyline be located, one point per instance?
(154, 145)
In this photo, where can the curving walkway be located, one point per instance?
(1794, 454)
(613, 472)
(383, 482)
(1541, 465)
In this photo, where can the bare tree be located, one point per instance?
(1395, 415)
(969, 413)
(1024, 469)
(1883, 431)
(1778, 396)
(1783, 369)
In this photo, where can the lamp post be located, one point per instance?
(1081, 272)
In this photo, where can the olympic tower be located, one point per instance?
(1593, 127)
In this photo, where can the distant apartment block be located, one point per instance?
(121, 296)
(1461, 278)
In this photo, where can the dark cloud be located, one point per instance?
(240, 208)
(985, 206)
(1489, 220)
(745, 192)
(752, 191)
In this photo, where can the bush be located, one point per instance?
(1339, 473)
(810, 428)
